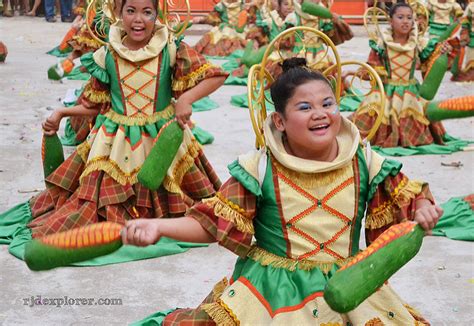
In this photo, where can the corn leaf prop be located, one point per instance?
(314, 9)
(76, 245)
(362, 276)
(153, 170)
(460, 107)
(51, 153)
(437, 66)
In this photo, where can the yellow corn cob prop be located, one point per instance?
(65, 248)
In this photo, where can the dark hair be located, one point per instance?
(295, 73)
(395, 7)
(154, 2)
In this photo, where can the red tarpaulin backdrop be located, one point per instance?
(352, 10)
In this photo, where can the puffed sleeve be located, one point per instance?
(392, 199)
(191, 68)
(427, 48)
(96, 93)
(228, 216)
(376, 55)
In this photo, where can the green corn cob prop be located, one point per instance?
(156, 165)
(51, 153)
(361, 277)
(76, 245)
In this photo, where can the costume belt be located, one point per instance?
(400, 82)
(266, 258)
(140, 119)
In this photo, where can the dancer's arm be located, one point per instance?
(184, 103)
(51, 125)
(144, 232)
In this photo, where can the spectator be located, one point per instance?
(65, 8)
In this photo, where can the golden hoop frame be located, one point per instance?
(366, 71)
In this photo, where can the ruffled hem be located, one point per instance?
(401, 196)
(231, 212)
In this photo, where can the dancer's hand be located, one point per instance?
(445, 47)
(51, 125)
(183, 111)
(141, 232)
(427, 216)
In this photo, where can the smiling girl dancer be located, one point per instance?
(303, 198)
(134, 80)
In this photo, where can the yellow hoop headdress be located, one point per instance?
(372, 16)
(259, 79)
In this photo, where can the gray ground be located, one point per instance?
(439, 281)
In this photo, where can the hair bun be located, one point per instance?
(293, 63)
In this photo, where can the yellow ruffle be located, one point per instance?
(95, 95)
(266, 258)
(230, 212)
(83, 150)
(191, 79)
(140, 120)
(173, 183)
(220, 313)
(313, 180)
(382, 215)
(219, 288)
(111, 168)
(89, 42)
(381, 71)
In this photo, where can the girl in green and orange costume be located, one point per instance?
(142, 80)
(224, 38)
(395, 56)
(303, 198)
(443, 13)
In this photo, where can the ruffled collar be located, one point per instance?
(157, 42)
(276, 18)
(348, 141)
(387, 37)
(302, 14)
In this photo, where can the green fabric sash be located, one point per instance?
(15, 233)
(202, 136)
(57, 53)
(451, 145)
(204, 104)
(457, 222)
(69, 138)
(234, 80)
(237, 54)
(77, 74)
